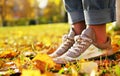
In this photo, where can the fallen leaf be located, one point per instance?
(115, 47)
(45, 58)
(87, 67)
(48, 74)
(8, 54)
(9, 68)
(57, 67)
(51, 50)
(30, 73)
(74, 71)
(39, 44)
(40, 65)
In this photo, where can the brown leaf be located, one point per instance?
(8, 54)
(46, 59)
(51, 50)
(115, 47)
(1, 63)
(39, 44)
(58, 67)
(40, 65)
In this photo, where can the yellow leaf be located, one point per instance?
(8, 54)
(45, 58)
(48, 74)
(30, 73)
(74, 71)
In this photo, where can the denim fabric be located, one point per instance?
(92, 11)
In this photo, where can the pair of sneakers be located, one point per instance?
(84, 46)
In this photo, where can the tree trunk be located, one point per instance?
(3, 13)
(118, 13)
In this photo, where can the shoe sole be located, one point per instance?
(93, 53)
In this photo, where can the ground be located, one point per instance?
(24, 52)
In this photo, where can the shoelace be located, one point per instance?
(80, 44)
(67, 41)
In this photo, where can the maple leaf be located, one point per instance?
(45, 58)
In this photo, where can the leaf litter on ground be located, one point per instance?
(24, 52)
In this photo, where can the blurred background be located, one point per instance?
(31, 12)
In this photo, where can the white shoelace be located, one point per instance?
(79, 47)
(67, 43)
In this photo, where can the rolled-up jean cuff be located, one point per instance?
(75, 16)
(99, 16)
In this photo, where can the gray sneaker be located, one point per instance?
(85, 47)
(68, 41)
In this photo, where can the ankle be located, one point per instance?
(100, 32)
(101, 40)
(79, 27)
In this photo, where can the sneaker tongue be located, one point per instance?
(89, 33)
(71, 33)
